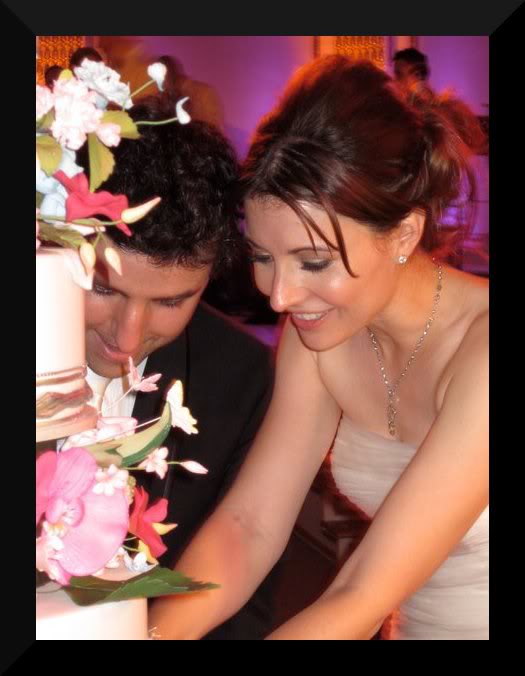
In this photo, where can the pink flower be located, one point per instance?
(48, 556)
(143, 520)
(141, 384)
(90, 527)
(75, 113)
(107, 428)
(156, 462)
(81, 203)
(108, 481)
(44, 101)
(109, 133)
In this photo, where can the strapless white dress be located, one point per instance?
(453, 604)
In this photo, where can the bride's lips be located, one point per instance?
(308, 320)
(111, 353)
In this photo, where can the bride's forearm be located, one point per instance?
(223, 553)
(337, 615)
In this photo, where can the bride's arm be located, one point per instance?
(431, 507)
(248, 532)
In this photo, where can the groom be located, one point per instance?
(153, 313)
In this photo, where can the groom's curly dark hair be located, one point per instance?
(193, 168)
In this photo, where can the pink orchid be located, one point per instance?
(141, 384)
(156, 462)
(142, 521)
(90, 528)
(81, 203)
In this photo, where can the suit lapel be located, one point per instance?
(170, 361)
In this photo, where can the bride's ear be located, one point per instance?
(408, 234)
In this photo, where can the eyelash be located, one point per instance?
(103, 291)
(307, 265)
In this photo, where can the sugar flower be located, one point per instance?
(180, 415)
(156, 462)
(105, 82)
(182, 116)
(113, 259)
(139, 384)
(107, 428)
(108, 481)
(143, 520)
(157, 71)
(192, 466)
(75, 113)
(81, 203)
(91, 527)
(44, 101)
(138, 564)
(134, 214)
(109, 133)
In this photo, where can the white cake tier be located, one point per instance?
(60, 341)
(61, 390)
(59, 619)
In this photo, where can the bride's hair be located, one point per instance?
(342, 139)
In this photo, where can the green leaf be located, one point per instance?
(39, 199)
(128, 128)
(63, 236)
(49, 153)
(45, 122)
(135, 448)
(101, 162)
(86, 591)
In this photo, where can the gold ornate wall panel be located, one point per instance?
(55, 50)
(371, 47)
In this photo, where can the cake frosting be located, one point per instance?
(58, 618)
(61, 389)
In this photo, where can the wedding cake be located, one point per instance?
(61, 390)
(61, 395)
(59, 618)
(97, 535)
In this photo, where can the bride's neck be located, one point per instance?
(401, 323)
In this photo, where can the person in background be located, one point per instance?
(204, 102)
(51, 75)
(82, 53)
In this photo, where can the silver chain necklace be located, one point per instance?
(391, 410)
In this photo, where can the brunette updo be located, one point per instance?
(342, 139)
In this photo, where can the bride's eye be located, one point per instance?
(316, 266)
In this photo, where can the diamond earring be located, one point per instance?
(402, 260)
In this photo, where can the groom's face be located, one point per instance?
(133, 314)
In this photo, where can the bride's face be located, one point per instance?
(327, 305)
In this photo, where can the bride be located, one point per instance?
(383, 358)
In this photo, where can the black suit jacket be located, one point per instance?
(228, 378)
